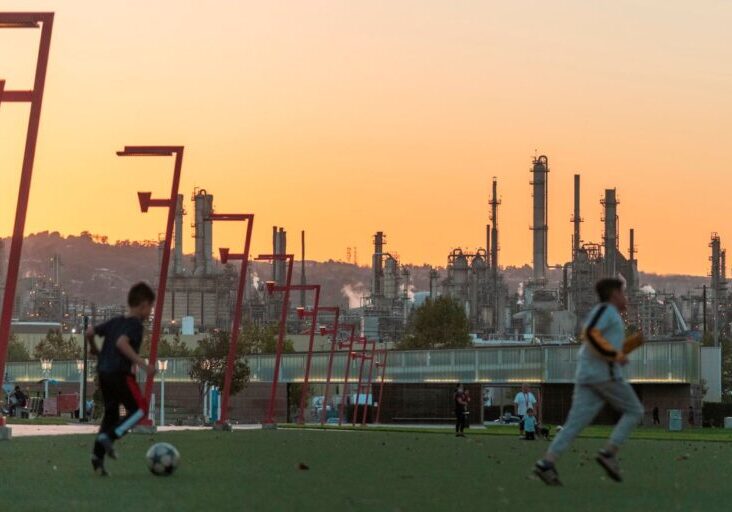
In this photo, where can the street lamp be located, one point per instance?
(171, 203)
(35, 98)
(80, 369)
(302, 313)
(162, 368)
(271, 288)
(84, 370)
(226, 256)
(46, 367)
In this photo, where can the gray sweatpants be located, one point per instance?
(588, 400)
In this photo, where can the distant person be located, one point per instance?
(691, 416)
(460, 405)
(466, 397)
(530, 425)
(656, 418)
(599, 381)
(122, 339)
(524, 401)
(18, 400)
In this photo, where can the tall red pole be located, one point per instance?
(368, 386)
(362, 356)
(333, 343)
(35, 97)
(236, 320)
(341, 407)
(269, 419)
(313, 326)
(381, 387)
(171, 204)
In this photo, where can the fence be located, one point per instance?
(656, 362)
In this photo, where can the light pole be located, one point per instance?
(236, 319)
(35, 98)
(334, 341)
(349, 345)
(171, 204)
(80, 369)
(302, 313)
(271, 288)
(162, 368)
(46, 367)
(84, 370)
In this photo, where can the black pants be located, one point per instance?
(460, 421)
(119, 388)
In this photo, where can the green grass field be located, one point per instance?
(361, 471)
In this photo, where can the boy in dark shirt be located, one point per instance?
(122, 339)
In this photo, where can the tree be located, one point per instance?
(175, 348)
(54, 346)
(262, 339)
(17, 351)
(438, 323)
(209, 363)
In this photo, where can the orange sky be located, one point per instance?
(344, 118)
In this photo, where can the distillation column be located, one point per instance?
(540, 228)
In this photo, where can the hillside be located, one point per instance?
(96, 271)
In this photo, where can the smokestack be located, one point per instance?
(178, 253)
(377, 265)
(494, 227)
(631, 250)
(541, 207)
(716, 284)
(611, 232)
(577, 218)
(303, 281)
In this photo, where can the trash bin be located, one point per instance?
(675, 421)
(728, 422)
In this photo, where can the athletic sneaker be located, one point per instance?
(98, 466)
(547, 472)
(610, 464)
(106, 442)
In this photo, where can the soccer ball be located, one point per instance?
(162, 459)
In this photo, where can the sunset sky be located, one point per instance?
(347, 117)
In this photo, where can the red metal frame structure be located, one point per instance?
(227, 256)
(349, 344)
(271, 288)
(171, 204)
(35, 98)
(302, 313)
(334, 341)
(368, 386)
(363, 356)
(381, 364)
